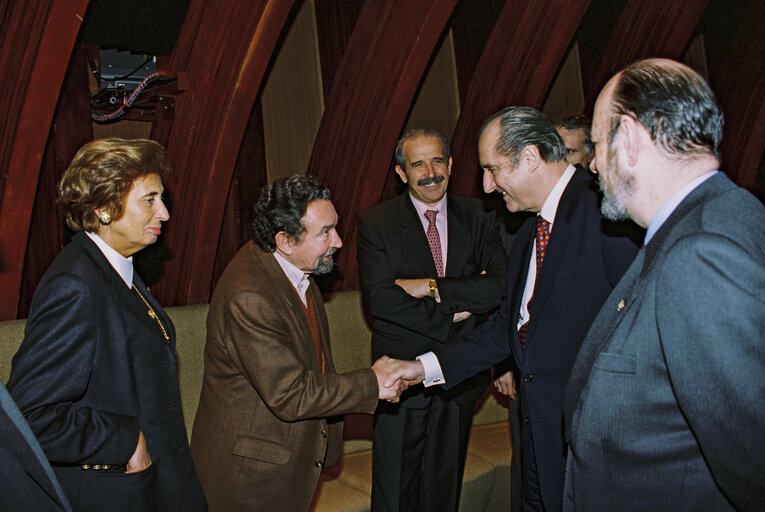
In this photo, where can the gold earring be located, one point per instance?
(105, 218)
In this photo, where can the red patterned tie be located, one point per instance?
(434, 241)
(542, 238)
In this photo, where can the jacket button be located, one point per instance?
(318, 463)
(323, 433)
(528, 377)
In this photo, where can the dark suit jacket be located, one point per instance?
(664, 407)
(27, 481)
(393, 245)
(92, 370)
(583, 262)
(266, 421)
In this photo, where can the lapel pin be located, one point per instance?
(620, 306)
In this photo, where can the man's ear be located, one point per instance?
(631, 138)
(532, 157)
(401, 173)
(449, 169)
(283, 242)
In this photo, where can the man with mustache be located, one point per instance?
(269, 416)
(431, 264)
(562, 265)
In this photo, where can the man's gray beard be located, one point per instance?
(611, 208)
(325, 267)
(622, 186)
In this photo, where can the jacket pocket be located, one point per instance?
(260, 449)
(615, 363)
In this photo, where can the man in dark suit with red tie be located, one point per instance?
(431, 263)
(563, 264)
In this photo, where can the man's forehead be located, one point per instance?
(420, 140)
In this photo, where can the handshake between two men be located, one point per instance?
(394, 376)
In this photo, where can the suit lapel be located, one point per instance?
(556, 249)
(287, 292)
(166, 322)
(612, 312)
(413, 236)
(457, 249)
(321, 315)
(126, 296)
(624, 295)
(515, 294)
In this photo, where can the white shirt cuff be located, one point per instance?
(433, 374)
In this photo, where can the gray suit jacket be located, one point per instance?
(664, 405)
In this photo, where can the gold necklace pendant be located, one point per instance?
(153, 314)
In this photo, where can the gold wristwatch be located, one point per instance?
(432, 287)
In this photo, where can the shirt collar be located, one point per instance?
(297, 277)
(122, 265)
(550, 206)
(421, 207)
(670, 204)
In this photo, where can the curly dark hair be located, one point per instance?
(102, 174)
(282, 206)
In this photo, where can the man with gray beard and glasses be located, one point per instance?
(431, 264)
(269, 416)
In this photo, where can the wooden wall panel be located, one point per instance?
(472, 23)
(35, 46)
(646, 28)
(71, 128)
(335, 20)
(524, 51)
(567, 92)
(249, 177)
(222, 54)
(292, 98)
(387, 55)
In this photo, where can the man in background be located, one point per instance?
(664, 406)
(269, 413)
(563, 264)
(574, 129)
(431, 264)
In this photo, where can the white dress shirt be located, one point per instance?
(297, 277)
(433, 373)
(122, 265)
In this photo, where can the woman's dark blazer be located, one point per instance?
(92, 371)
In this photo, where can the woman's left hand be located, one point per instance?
(140, 459)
